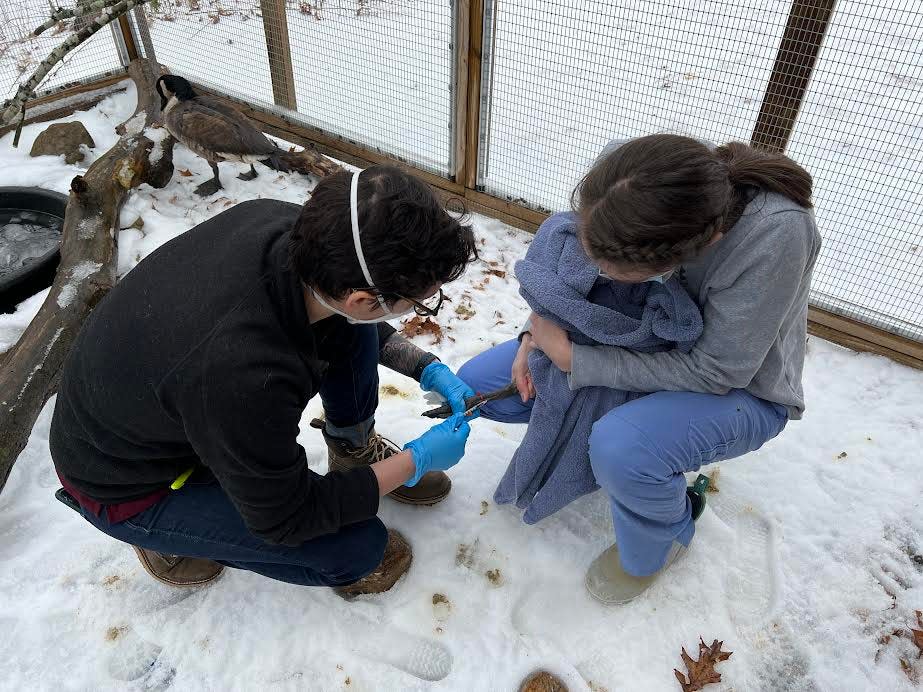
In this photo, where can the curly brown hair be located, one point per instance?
(409, 240)
(658, 200)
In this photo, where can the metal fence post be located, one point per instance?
(275, 28)
(804, 33)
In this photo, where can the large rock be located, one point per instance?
(63, 138)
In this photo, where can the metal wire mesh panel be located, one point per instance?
(379, 73)
(375, 72)
(561, 79)
(20, 52)
(220, 43)
(860, 134)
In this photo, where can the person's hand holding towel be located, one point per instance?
(553, 341)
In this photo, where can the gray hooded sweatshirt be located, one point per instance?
(752, 286)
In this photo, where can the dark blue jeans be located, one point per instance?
(199, 520)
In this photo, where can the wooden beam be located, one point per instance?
(473, 117)
(462, 33)
(801, 41)
(863, 337)
(128, 36)
(275, 28)
(44, 109)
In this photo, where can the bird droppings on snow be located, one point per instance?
(799, 564)
(391, 390)
(442, 608)
(114, 633)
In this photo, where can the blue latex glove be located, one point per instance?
(440, 447)
(438, 377)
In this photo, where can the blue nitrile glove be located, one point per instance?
(440, 447)
(438, 377)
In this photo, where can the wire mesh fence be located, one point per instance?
(21, 52)
(561, 79)
(840, 83)
(860, 133)
(375, 72)
(565, 78)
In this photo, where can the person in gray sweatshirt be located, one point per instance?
(734, 225)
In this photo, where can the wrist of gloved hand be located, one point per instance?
(439, 448)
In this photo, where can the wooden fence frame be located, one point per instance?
(798, 50)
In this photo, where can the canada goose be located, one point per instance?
(214, 131)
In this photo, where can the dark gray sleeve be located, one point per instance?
(763, 282)
(398, 354)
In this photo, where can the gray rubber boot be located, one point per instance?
(609, 583)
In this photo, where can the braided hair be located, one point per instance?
(657, 201)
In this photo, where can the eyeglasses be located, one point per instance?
(428, 307)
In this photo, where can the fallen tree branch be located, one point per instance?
(27, 88)
(29, 371)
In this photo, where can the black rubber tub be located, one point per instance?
(31, 220)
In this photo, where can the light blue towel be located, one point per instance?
(559, 282)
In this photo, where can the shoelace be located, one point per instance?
(379, 448)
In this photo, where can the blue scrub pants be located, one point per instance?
(639, 452)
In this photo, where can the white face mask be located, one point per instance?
(354, 222)
(658, 279)
(355, 320)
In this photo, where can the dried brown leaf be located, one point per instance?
(917, 635)
(420, 325)
(185, 172)
(702, 672)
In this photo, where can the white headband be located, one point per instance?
(354, 218)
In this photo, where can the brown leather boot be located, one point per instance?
(542, 681)
(175, 570)
(393, 566)
(432, 488)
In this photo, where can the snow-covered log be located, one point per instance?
(29, 371)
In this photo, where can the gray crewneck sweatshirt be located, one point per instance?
(752, 286)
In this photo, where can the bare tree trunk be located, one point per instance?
(30, 370)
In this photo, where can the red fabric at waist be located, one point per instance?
(115, 512)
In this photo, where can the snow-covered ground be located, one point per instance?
(810, 554)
